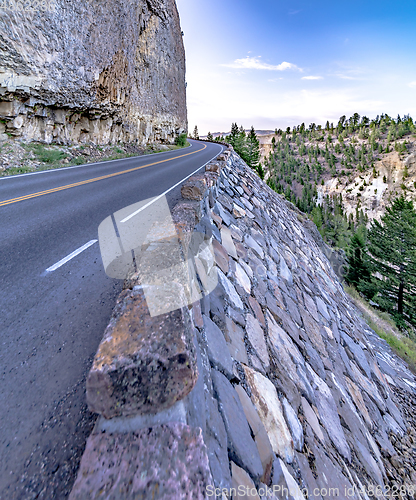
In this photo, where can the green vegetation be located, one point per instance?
(16, 171)
(382, 262)
(181, 140)
(54, 156)
(79, 160)
(195, 134)
(247, 146)
(386, 328)
(303, 158)
(381, 255)
(46, 155)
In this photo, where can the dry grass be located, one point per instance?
(385, 328)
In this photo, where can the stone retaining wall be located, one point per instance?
(271, 381)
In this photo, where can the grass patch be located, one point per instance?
(51, 158)
(16, 171)
(79, 160)
(385, 327)
(46, 155)
(405, 348)
(172, 147)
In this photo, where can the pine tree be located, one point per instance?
(196, 133)
(210, 137)
(233, 134)
(392, 257)
(358, 268)
(240, 145)
(253, 149)
(260, 171)
(355, 119)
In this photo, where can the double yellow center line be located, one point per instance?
(95, 179)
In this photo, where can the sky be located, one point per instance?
(274, 63)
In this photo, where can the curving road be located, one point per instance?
(55, 302)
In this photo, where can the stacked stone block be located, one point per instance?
(271, 386)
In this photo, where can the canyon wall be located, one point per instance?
(98, 72)
(395, 176)
(271, 386)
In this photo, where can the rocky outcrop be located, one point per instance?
(289, 394)
(395, 175)
(98, 72)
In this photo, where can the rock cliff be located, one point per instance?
(395, 176)
(96, 72)
(272, 386)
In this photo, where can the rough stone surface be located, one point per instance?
(232, 295)
(241, 445)
(217, 445)
(131, 373)
(270, 410)
(293, 424)
(260, 435)
(283, 478)
(328, 413)
(221, 256)
(256, 337)
(117, 72)
(312, 420)
(241, 278)
(227, 242)
(162, 462)
(235, 340)
(217, 348)
(194, 188)
(242, 484)
(307, 373)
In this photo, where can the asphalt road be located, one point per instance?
(52, 322)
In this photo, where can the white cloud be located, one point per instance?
(346, 77)
(412, 84)
(312, 77)
(255, 63)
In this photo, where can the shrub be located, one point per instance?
(79, 160)
(181, 140)
(48, 155)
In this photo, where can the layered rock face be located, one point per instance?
(396, 176)
(280, 389)
(96, 72)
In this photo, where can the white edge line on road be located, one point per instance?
(70, 256)
(167, 191)
(88, 164)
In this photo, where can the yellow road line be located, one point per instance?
(88, 181)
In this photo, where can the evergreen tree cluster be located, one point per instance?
(381, 255)
(211, 138)
(302, 158)
(382, 262)
(247, 146)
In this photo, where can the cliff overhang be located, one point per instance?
(93, 72)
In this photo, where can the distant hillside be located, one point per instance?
(356, 167)
(224, 134)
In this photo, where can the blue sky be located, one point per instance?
(275, 63)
